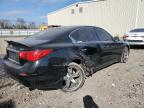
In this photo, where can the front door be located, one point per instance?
(107, 46)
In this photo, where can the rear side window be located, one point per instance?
(103, 35)
(83, 35)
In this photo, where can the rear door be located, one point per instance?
(85, 40)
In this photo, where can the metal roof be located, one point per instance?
(83, 2)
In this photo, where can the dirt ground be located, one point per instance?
(118, 86)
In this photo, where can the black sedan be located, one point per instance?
(62, 57)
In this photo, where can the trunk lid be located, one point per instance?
(135, 34)
(29, 42)
(14, 47)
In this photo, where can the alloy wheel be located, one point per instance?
(74, 78)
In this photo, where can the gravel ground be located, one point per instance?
(118, 86)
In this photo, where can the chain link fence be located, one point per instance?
(18, 32)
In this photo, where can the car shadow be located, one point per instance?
(89, 103)
(137, 47)
(7, 104)
(3, 74)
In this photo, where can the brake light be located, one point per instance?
(125, 37)
(34, 55)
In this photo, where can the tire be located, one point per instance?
(125, 55)
(75, 77)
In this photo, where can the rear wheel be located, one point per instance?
(125, 55)
(74, 78)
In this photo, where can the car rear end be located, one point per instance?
(134, 38)
(31, 67)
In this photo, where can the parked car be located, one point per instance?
(62, 57)
(135, 37)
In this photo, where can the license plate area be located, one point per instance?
(13, 56)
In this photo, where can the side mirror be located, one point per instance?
(116, 38)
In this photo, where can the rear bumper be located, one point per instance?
(135, 43)
(40, 77)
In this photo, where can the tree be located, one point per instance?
(5, 24)
(1, 24)
(21, 23)
(32, 25)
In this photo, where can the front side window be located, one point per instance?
(103, 35)
(83, 35)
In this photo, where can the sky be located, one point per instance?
(30, 10)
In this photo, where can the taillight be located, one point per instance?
(34, 55)
(23, 74)
(125, 37)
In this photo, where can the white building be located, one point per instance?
(116, 16)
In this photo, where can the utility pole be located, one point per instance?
(137, 12)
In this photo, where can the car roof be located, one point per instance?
(52, 35)
(66, 28)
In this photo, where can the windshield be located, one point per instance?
(137, 30)
(51, 33)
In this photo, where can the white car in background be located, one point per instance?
(135, 37)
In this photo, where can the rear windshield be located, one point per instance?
(51, 33)
(137, 30)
